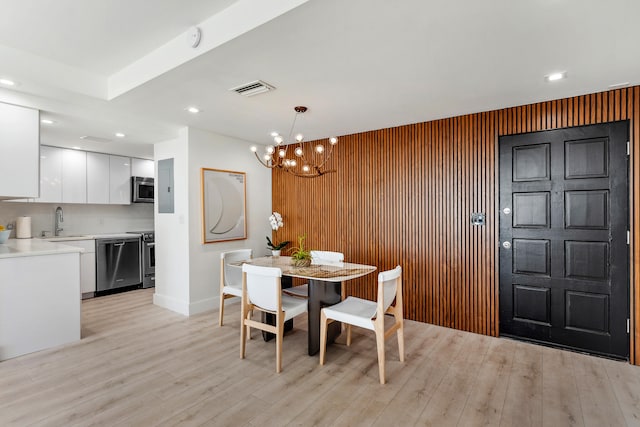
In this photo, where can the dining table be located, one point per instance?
(325, 282)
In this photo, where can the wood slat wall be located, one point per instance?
(405, 195)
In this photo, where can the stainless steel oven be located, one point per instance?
(148, 261)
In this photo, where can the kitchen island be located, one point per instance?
(39, 296)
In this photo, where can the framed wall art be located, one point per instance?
(224, 203)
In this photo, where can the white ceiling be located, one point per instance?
(103, 66)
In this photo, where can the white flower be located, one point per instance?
(276, 221)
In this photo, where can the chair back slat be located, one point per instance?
(326, 257)
(390, 282)
(233, 275)
(263, 286)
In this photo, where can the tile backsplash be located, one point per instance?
(79, 219)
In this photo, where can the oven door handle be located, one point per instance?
(150, 244)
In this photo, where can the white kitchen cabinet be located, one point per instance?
(74, 176)
(142, 167)
(87, 265)
(20, 147)
(97, 178)
(50, 175)
(119, 180)
(39, 297)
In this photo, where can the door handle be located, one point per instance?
(119, 244)
(506, 245)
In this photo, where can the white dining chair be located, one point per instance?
(262, 291)
(370, 315)
(317, 257)
(231, 277)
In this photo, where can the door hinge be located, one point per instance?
(628, 237)
(628, 148)
(628, 326)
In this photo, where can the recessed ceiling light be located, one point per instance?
(75, 147)
(193, 110)
(7, 82)
(47, 121)
(120, 135)
(555, 76)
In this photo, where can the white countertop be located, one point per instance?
(89, 237)
(33, 247)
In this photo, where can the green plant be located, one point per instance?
(276, 247)
(299, 252)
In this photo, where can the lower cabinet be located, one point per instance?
(87, 265)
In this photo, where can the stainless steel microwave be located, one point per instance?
(141, 189)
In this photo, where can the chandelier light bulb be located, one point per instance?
(275, 154)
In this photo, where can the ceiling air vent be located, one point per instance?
(253, 88)
(95, 138)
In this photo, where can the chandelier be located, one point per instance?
(291, 156)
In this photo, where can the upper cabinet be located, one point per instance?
(19, 151)
(97, 178)
(50, 175)
(142, 167)
(74, 176)
(119, 180)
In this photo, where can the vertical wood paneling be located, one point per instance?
(405, 195)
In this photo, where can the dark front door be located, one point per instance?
(563, 237)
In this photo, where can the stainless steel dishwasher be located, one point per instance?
(117, 263)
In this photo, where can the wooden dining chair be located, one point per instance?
(262, 291)
(370, 315)
(231, 277)
(317, 257)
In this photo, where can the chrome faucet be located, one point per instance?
(59, 220)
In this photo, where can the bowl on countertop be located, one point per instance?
(4, 235)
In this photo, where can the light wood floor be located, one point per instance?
(141, 365)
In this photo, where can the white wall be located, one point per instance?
(172, 231)
(208, 150)
(80, 218)
(187, 271)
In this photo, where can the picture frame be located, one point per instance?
(224, 201)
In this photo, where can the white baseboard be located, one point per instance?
(190, 309)
(181, 307)
(204, 305)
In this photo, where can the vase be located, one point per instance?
(275, 253)
(301, 262)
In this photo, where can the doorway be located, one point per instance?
(564, 215)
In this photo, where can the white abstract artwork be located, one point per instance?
(223, 205)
